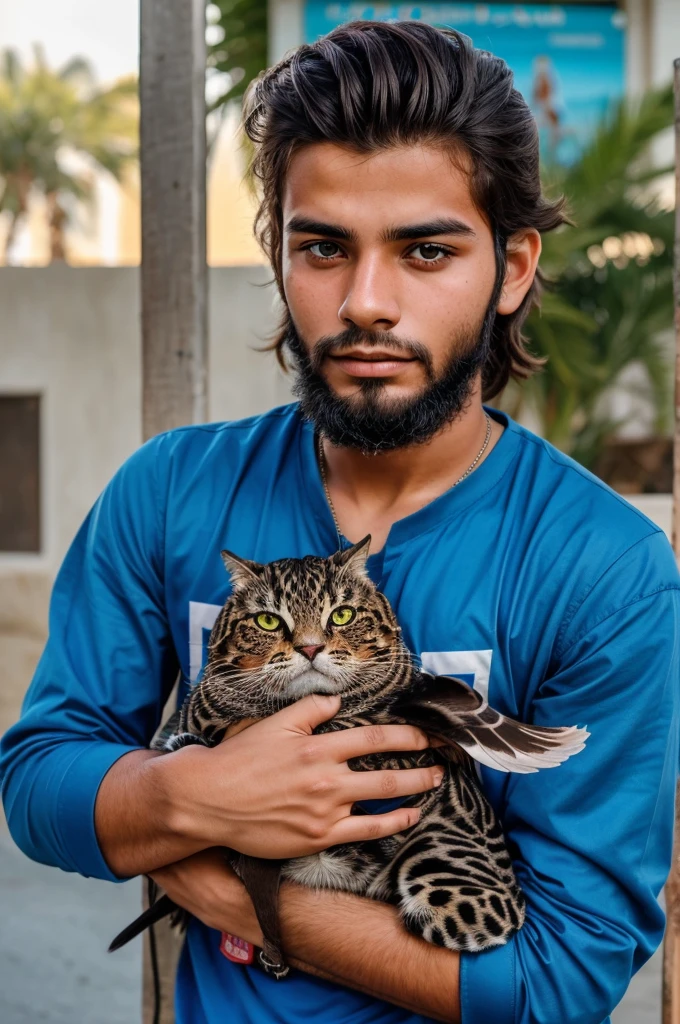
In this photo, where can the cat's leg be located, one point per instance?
(182, 739)
(173, 735)
(452, 879)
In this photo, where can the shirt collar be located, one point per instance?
(447, 506)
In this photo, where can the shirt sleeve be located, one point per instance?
(592, 839)
(103, 679)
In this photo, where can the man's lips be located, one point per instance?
(372, 363)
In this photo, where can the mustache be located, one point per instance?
(334, 344)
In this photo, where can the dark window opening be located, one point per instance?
(19, 473)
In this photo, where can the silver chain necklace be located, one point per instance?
(322, 467)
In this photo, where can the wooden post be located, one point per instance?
(173, 280)
(671, 951)
(173, 154)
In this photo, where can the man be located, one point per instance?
(402, 212)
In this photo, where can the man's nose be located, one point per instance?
(371, 301)
(311, 650)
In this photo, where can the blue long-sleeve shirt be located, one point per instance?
(531, 579)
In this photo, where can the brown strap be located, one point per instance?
(262, 879)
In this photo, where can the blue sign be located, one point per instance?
(568, 60)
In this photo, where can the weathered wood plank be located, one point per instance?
(671, 953)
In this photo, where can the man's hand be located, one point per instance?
(206, 886)
(275, 790)
(272, 790)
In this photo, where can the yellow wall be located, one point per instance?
(231, 211)
(231, 207)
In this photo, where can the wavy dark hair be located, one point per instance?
(372, 85)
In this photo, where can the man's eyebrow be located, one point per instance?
(404, 232)
(441, 226)
(308, 226)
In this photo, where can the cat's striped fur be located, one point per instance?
(451, 874)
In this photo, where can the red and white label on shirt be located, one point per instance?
(237, 950)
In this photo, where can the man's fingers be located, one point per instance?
(383, 785)
(373, 739)
(308, 712)
(360, 827)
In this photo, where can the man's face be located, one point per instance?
(388, 272)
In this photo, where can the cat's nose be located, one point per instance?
(311, 651)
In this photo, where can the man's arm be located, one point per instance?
(104, 677)
(342, 938)
(364, 945)
(592, 839)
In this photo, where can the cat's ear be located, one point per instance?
(353, 559)
(243, 573)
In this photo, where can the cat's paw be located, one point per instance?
(462, 919)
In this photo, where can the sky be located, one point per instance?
(105, 33)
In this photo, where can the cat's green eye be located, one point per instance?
(268, 622)
(342, 616)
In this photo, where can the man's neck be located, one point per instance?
(370, 492)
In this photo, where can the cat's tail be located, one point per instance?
(450, 710)
(160, 909)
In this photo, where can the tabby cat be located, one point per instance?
(319, 625)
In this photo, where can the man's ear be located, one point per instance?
(521, 262)
(243, 573)
(353, 560)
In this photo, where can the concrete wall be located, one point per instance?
(73, 336)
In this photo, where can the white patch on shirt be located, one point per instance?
(461, 663)
(201, 616)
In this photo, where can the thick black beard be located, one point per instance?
(372, 426)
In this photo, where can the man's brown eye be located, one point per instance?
(326, 250)
(429, 252)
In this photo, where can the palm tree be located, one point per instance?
(47, 114)
(611, 298)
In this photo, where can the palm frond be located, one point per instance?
(46, 114)
(611, 298)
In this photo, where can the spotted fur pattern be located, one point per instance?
(450, 875)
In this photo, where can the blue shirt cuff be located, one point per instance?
(487, 986)
(76, 799)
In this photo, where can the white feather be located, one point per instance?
(569, 743)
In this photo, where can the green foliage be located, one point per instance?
(611, 298)
(46, 113)
(240, 49)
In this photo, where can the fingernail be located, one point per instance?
(438, 776)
